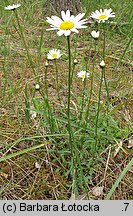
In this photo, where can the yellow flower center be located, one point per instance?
(54, 55)
(103, 16)
(66, 25)
(83, 76)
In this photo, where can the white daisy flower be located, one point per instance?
(12, 7)
(95, 34)
(68, 23)
(102, 16)
(102, 63)
(83, 75)
(54, 54)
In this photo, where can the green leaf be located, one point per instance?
(116, 108)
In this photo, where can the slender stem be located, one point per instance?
(98, 111)
(75, 53)
(69, 99)
(45, 82)
(72, 73)
(40, 46)
(24, 42)
(126, 48)
(104, 75)
(5, 80)
(57, 78)
(104, 48)
(81, 172)
(69, 77)
(46, 98)
(92, 80)
(83, 97)
(89, 54)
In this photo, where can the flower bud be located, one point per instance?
(37, 87)
(75, 61)
(95, 34)
(46, 64)
(102, 64)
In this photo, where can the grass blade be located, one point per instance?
(115, 185)
(20, 152)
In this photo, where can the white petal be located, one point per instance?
(63, 15)
(110, 10)
(53, 22)
(67, 32)
(74, 30)
(67, 14)
(81, 22)
(79, 16)
(57, 19)
(97, 12)
(54, 28)
(72, 19)
(81, 27)
(49, 20)
(60, 33)
(112, 15)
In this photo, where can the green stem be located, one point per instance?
(98, 111)
(126, 48)
(81, 172)
(46, 98)
(75, 53)
(5, 80)
(83, 97)
(72, 73)
(69, 86)
(92, 80)
(69, 99)
(104, 76)
(57, 78)
(46, 82)
(104, 48)
(24, 42)
(40, 46)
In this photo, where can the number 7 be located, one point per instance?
(127, 204)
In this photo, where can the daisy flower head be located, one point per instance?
(102, 15)
(12, 7)
(54, 54)
(83, 75)
(95, 34)
(67, 24)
